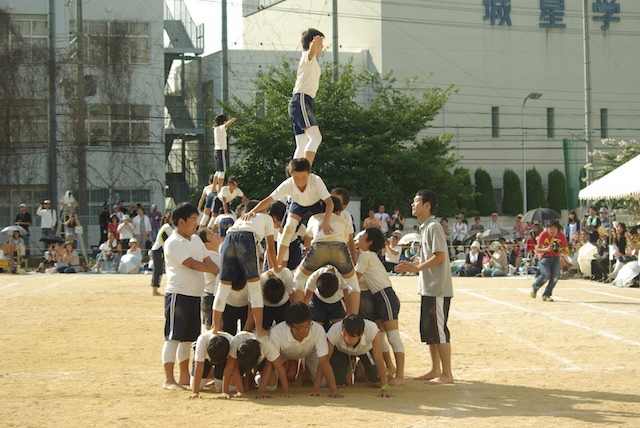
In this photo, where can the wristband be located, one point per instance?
(385, 387)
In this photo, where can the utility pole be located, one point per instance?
(80, 113)
(336, 61)
(53, 125)
(225, 54)
(588, 124)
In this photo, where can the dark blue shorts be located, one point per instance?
(182, 317)
(238, 255)
(367, 309)
(221, 160)
(231, 316)
(306, 212)
(208, 203)
(217, 205)
(224, 224)
(387, 304)
(340, 363)
(273, 315)
(301, 113)
(321, 310)
(206, 308)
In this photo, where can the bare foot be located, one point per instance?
(173, 386)
(184, 381)
(396, 381)
(440, 380)
(428, 376)
(155, 292)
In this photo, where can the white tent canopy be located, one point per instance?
(622, 182)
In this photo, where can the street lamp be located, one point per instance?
(532, 96)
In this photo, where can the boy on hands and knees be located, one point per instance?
(239, 256)
(356, 337)
(299, 337)
(305, 125)
(212, 350)
(324, 292)
(386, 302)
(186, 259)
(436, 287)
(307, 192)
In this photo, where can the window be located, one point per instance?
(117, 42)
(604, 123)
(117, 124)
(551, 122)
(34, 35)
(25, 123)
(129, 196)
(495, 122)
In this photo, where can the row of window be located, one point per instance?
(117, 124)
(551, 122)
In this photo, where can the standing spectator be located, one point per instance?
(519, 229)
(385, 220)
(460, 230)
(591, 224)
(371, 221)
(48, 218)
(476, 227)
(573, 225)
(397, 221)
(125, 231)
(123, 210)
(70, 228)
(104, 222)
(444, 222)
(142, 229)
(392, 252)
(113, 226)
(23, 218)
(155, 216)
(604, 220)
(494, 223)
(117, 211)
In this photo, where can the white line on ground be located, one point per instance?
(556, 318)
(11, 284)
(613, 295)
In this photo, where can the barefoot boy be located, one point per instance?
(186, 260)
(436, 287)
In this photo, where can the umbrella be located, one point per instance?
(52, 239)
(493, 234)
(540, 214)
(130, 263)
(409, 238)
(586, 253)
(15, 228)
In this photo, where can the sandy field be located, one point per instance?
(84, 350)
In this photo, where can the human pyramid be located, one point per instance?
(326, 315)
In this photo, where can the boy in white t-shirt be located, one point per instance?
(212, 242)
(220, 126)
(385, 301)
(227, 194)
(211, 351)
(324, 292)
(186, 260)
(239, 255)
(277, 289)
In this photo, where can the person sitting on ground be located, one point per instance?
(47, 265)
(497, 261)
(473, 261)
(110, 251)
(68, 261)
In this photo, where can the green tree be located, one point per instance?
(485, 199)
(372, 150)
(511, 193)
(466, 199)
(557, 195)
(535, 191)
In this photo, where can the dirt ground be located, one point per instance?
(84, 350)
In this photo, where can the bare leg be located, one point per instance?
(310, 156)
(444, 352)
(435, 364)
(184, 372)
(170, 382)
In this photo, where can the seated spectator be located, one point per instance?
(18, 241)
(476, 227)
(600, 264)
(444, 222)
(47, 265)
(473, 261)
(494, 223)
(110, 252)
(514, 256)
(497, 264)
(68, 261)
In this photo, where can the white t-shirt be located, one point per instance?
(267, 348)
(342, 285)
(210, 280)
(340, 229)
(125, 230)
(315, 191)
(435, 281)
(220, 137)
(286, 277)
(384, 218)
(291, 349)
(308, 76)
(181, 279)
(201, 353)
(239, 298)
(261, 225)
(373, 271)
(221, 217)
(228, 195)
(393, 258)
(363, 346)
(347, 217)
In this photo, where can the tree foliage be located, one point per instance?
(370, 142)
(485, 199)
(511, 193)
(557, 195)
(619, 153)
(466, 198)
(535, 191)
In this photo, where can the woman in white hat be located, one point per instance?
(497, 261)
(473, 261)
